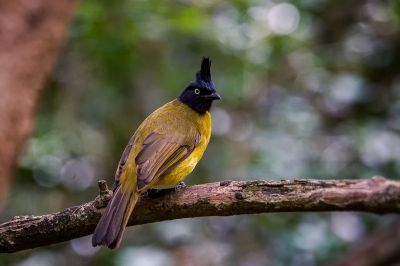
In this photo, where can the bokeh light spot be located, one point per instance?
(283, 18)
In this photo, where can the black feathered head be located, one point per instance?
(200, 93)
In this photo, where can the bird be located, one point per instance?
(164, 150)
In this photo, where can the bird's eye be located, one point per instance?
(196, 91)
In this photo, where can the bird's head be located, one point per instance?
(200, 93)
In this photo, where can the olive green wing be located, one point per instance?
(160, 153)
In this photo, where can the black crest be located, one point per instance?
(205, 70)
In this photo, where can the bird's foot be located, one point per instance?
(154, 193)
(180, 186)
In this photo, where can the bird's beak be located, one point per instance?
(213, 96)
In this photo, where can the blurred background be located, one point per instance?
(310, 89)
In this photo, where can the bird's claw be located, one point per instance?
(180, 186)
(153, 193)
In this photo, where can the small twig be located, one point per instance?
(104, 195)
(103, 187)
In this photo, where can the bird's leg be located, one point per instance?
(156, 193)
(180, 186)
(153, 193)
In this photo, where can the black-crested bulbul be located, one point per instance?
(163, 151)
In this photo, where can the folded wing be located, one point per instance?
(161, 153)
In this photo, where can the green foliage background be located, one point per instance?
(310, 89)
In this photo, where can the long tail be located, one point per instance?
(112, 224)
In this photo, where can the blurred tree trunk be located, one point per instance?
(31, 32)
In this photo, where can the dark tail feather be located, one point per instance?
(112, 224)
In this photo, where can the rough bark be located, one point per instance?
(376, 195)
(379, 249)
(31, 32)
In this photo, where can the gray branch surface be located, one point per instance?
(375, 195)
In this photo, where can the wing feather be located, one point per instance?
(122, 161)
(161, 153)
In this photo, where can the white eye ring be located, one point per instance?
(196, 91)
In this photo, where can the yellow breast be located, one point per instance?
(183, 169)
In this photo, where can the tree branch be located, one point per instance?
(376, 195)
